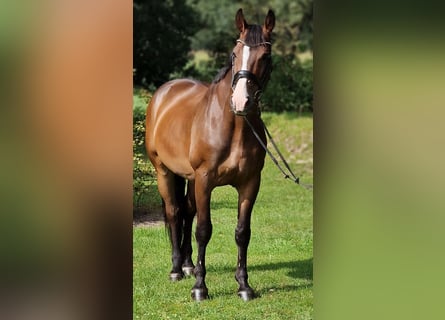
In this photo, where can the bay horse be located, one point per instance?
(197, 132)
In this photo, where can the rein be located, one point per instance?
(261, 84)
(286, 174)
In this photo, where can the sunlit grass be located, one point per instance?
(280, 251)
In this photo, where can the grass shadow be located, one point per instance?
(297, 269)
(288, 288)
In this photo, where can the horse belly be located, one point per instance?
(177, 163)
(171, 145)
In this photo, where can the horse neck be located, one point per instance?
(223, 91)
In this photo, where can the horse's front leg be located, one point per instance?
(202, 234)
(246, 198)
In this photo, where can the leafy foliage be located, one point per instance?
(171, 38)
(160, 39)
(143, 171)
(293, 29)
(306, 25)
(290, 87)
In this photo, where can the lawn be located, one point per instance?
(280, 251)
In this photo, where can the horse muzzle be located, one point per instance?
(248, 105)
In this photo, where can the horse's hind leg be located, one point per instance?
(186, 249)
(169, 187)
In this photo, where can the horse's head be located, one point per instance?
(251, 63)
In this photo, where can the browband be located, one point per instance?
(256, 45)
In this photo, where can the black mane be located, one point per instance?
(223, 72)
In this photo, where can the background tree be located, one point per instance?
(161, 39)
(290, 88)
(306, 25)
(293, 25)
(193, 38)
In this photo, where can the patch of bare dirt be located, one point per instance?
(143, 217)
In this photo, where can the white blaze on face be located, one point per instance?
(239, 97)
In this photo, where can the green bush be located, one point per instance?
(143, 171)
(290, 87)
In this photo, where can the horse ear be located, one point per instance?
(269, 23)
(241, 23)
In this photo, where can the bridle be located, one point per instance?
(261, 82)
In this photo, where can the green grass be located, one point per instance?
(280, 251)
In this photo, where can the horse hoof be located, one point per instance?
(246, 295)
(199, 294)
(188, 271)
(176, 276)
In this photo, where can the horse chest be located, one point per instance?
(229, 153)
(238, 165)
